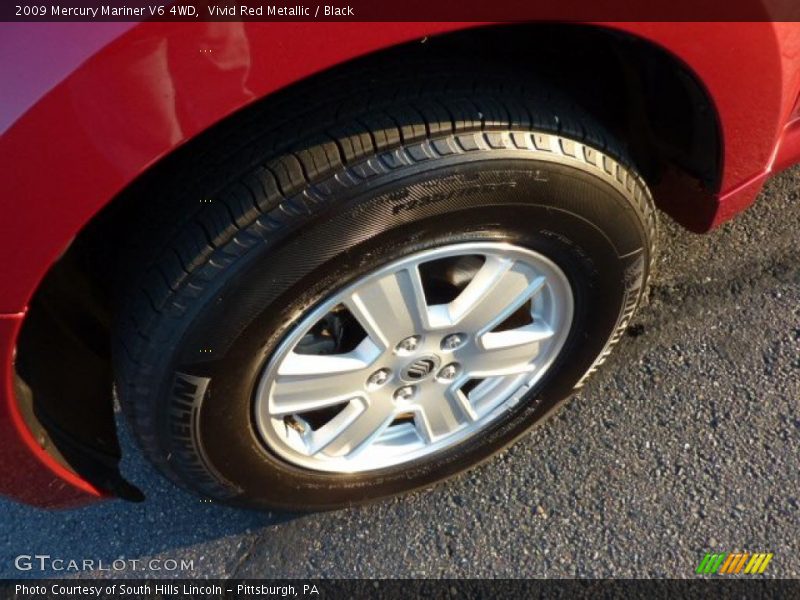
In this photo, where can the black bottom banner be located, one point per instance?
(397, 588)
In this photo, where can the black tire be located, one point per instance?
(284, 228)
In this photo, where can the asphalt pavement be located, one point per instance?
(686, 442)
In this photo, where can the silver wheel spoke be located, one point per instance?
(443, 414)
(509, 352)
(309, 382)
(390, 308)
(499, 288)
(351, 436)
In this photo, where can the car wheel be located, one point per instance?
(371, 311)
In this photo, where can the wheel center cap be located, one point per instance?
(420, 369)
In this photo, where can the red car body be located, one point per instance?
(88, 107)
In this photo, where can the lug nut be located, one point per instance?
(405, 393)
(449, 372)
(453, 341)
(378, 378)
(409, 344)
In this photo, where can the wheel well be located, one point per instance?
(641, 94)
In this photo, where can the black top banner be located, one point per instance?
(401, 10)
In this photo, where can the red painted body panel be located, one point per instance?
(28, 473)
(85, 121)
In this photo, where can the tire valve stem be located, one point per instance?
(293, 423)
